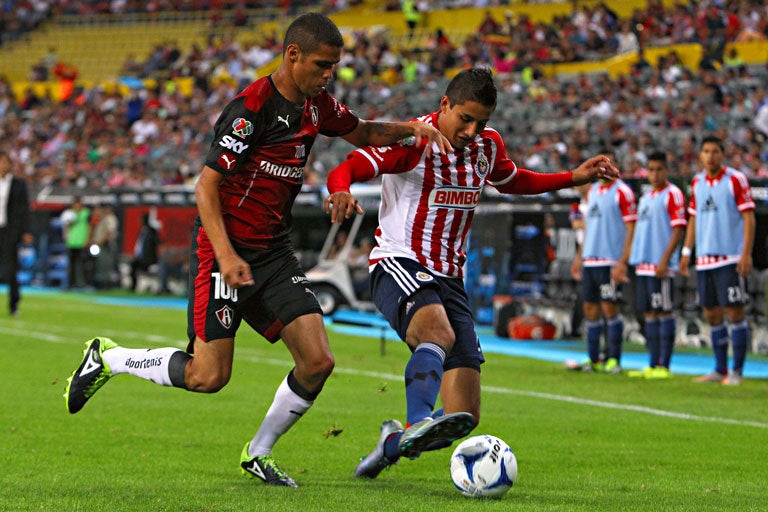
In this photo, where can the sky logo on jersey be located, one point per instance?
(457, 198)
(242, 127)
(233, 144)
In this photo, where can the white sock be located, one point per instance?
(286, 409)
(148, 364)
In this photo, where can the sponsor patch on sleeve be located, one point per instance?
(227, 160)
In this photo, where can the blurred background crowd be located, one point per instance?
(97, 137)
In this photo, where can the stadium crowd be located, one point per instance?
(97, 138)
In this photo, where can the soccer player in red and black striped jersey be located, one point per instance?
(427, 205)
(243, 265)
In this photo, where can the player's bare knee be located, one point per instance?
(317, 370)
(439, 333)
(211, 382)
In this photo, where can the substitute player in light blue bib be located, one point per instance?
(601, 265)
(660, 227)
(722, 227)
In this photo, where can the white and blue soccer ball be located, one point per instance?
(483, 466)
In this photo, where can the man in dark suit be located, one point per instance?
(14, 216)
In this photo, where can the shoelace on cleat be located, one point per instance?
(271, 464)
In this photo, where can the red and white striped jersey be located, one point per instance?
(428, 202)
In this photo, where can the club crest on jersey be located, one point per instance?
(457, 198)
(315, 113)
(242, 127)
(225, 316)
(481, 168)
(423, 277)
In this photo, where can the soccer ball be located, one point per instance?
(483, 466)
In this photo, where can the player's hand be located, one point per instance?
(341, 205)
(661, 270)
(235, 271)
(596, 168)
(619, 273)
(684, 265)
(576, 269)
(426, 131)
(744, 265)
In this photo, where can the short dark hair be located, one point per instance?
(658, 156)
(312, 30)
(714, 139)
(474, 84)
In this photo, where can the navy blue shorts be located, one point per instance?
(402, 286)
(653, 294)
(280, 293)
(597, 286)
(721, 286)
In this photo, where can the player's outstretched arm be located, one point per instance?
(597, 167)
(377, 133)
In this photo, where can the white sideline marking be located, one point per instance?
(54, 338)
(546, 396)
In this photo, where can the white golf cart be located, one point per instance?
(337, 281)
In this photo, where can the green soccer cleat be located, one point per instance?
(612, 366)
(642, 374)
(264, 468)
(375, 462)
(659, 373)
(433, 434)
(92, 373)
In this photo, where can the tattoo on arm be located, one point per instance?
(386, 133)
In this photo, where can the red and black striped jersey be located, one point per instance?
(261, 144)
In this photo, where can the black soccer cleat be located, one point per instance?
(92, 373)
(264, 468)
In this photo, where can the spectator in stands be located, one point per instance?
(412, 15)
(626, 39)
(145, 250)
(721, 228)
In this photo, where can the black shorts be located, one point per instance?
(597, 285)
(653, 294)
(280, 293)
(402, 286)
(721, 286)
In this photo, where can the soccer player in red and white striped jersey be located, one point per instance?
(427, 205)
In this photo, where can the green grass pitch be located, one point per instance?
(583, 442)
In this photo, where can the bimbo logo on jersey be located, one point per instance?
(455, 197)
